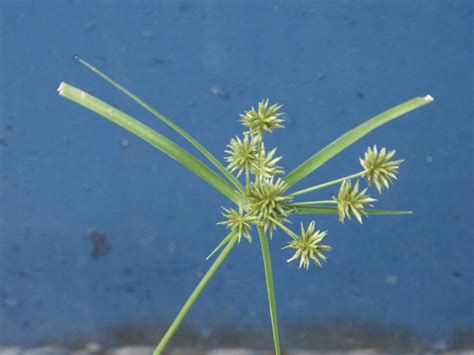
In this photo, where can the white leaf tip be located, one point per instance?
(428, 98)
(61, 88)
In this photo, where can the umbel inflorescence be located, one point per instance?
(264, 199)
(266, 202)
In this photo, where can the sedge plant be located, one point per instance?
(262, 200)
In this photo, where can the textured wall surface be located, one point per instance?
(102, 237)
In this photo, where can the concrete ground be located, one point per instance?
(95, 349)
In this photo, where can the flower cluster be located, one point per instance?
(352, 202)
(265, 202)
(266, 119)
(379, 167)
(239, 222)
(308, 246)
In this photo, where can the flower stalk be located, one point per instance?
(327, 184)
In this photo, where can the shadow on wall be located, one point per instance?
(336, 334)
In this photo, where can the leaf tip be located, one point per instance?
(61, 88)
(428, 98)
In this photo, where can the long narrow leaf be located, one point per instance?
(352, 136)
(333, 210)
(267, 262)
(170, 123)
(154, 138)
(220, 245)
(194, 296)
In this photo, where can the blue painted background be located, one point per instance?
(65, 173)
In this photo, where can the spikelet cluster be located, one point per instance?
(265, 202)
(265, 119)
(239, 221)
(379, 167)
(308, 246)
(352, 202)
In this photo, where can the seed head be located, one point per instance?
(266, 119)
(351, 201)
(308, 246)
(239, 222)
(266, 199)
(379, 167)
(243, 154)
(267, 167)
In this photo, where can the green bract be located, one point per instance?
(263, 199)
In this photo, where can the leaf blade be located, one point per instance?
(304, 209)
(351, 137)
(149, 135)
(170, 123)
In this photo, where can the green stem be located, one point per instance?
(194, 296)
(326, 184)
(321, 202)
(270, 288)
(285, 228)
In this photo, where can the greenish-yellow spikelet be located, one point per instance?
(243, 154)
(379, 168)
(266, 199)
(351, 201)
(267, 164)
(265, 119)
(239, 222)
(308, 246)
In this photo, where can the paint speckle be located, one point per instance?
(124, 143)
(391, 280)
(100, 245)
(220, 92)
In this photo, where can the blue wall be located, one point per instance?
(67, 175)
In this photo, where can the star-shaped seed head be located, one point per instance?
(243, 154)
(379, 167)
(266, 119)
(351, 201)
(308, 246)
(239, 222)
(266, 199)
(266, 165)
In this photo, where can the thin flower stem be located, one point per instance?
(284, 228)
(326, 184)
(267, 261)
(322, 202)
(194, 296)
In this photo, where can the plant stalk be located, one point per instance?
(194, 296)
(326, 184)
(267, 261)
(309, 203)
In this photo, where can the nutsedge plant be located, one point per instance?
(260, 195)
